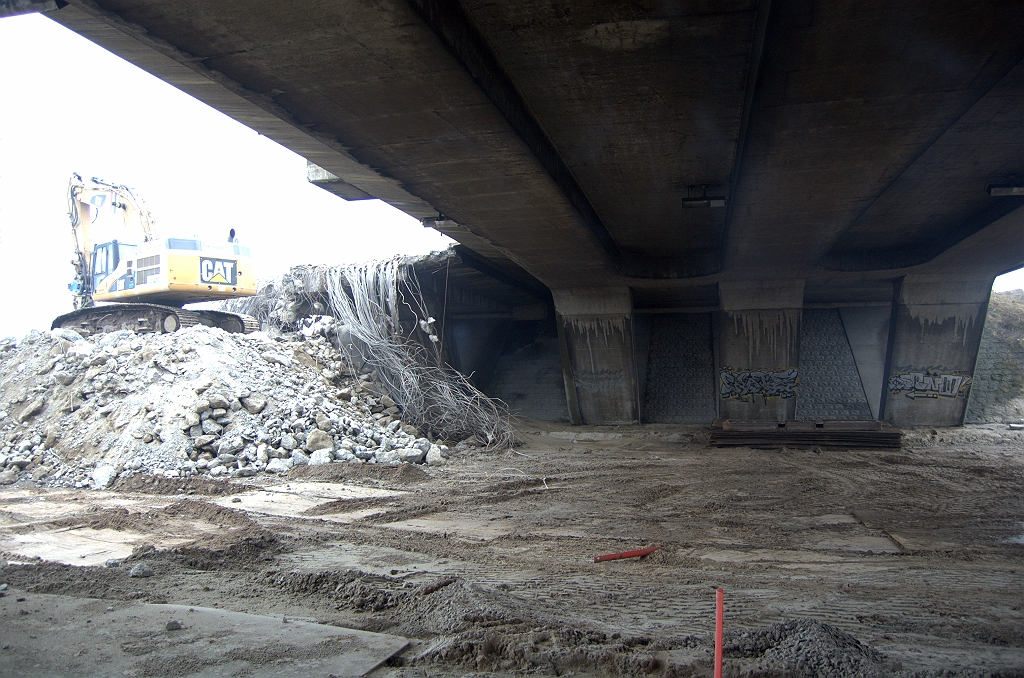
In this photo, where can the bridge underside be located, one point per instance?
(750, 209)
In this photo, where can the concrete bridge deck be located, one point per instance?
(711, 171)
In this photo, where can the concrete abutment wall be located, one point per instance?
(761, 356)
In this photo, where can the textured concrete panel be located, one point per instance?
(830, 387)
(680, 370)
(867, 330)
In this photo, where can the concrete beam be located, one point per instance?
(758, 339)
(934, 336)
(449, 21)
(595, 331)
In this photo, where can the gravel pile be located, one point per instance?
(807, 647)
(78, 412)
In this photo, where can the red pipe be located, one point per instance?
(719, 623)
(627, 554)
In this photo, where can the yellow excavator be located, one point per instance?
(140, 282)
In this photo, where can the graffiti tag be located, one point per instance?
(930, 384)
(745, 384)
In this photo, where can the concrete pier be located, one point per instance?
(759, 349)
(934, 337)
(595, 329)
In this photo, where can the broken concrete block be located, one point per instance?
(319, 440)
(32, 409)
(103, 476)
(254, 403)
(321, 457)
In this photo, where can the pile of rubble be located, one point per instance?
(79, 412)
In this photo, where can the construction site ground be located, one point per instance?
(486, 565)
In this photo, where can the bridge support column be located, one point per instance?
(758, 338)
(934, 337)
(595, 332)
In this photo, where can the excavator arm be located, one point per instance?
(87, 201)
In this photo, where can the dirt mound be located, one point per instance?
(404, 474)
(162, 485)
(807, 647)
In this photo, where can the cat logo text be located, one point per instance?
(218, 271)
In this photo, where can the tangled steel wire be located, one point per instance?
(369, 299)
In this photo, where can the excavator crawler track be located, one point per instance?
(150, 318)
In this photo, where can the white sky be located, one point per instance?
(67, 105)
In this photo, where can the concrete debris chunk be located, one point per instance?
(141, 570)
(278, 466)
(103, 476)
(254, 403)
(319, 440)
(320, 457)
(32, 409)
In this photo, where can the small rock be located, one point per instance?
(141, 570)
(174, 625)
(254, 403)
(386, 401)
(289, 442)
(103, 476)
(299, 458)
(435, 457)
(277, 358)
(112, 562)
(218, 401)
(9, 477)
(203, 441)
(318, 440)
(323, 422)
(210, 427)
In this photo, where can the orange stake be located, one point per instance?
(627, 554)
(719, 623)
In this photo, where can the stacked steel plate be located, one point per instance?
(864, 434)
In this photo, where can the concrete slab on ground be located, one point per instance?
(294, 500)
(58, 636)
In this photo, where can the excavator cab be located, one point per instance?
(105, 259)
